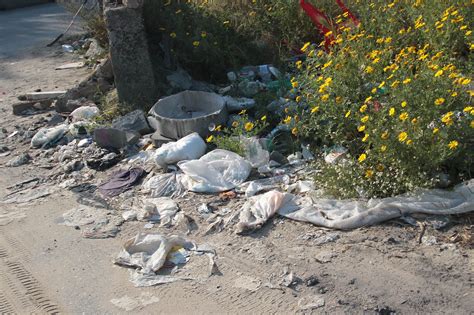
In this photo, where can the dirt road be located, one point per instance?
(46, 267)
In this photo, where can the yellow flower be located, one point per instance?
(439, 73)
(173, 35)
(454, 94)
(338, 99)
(287, 120)
(380, 168)
(439, 101)
(314, 109)
(472, 124)
(409, 142)
(263, 118)
(369, 173)
(391, 112)
(368, 99)
(374, 90)
(196, 43)
(219, 128)
(242, 112)
(404, 104)
(453, 145)
(365, 119)
(369, 69)
(249, 126)
(305, 47)
(414, 121)
(435, 131)
(362, 157)
(361, 128)
(404, 116)
(383, 148)
(384, 135)
(402, 136)
(298, 99)
(366, 137)
(294, 131)
(406, 81)
(468, 109)
(203, 34)
(294, 84)
(447, 118)
(363, 108)
(348, 113)
(210, 138)
(466, 81)
(299, 64)
(325, 97)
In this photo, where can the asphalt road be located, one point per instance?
(23, 29)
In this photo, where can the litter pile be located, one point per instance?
(142, 166)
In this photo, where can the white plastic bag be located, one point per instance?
(47, 136)
(85, 113)
(164, 185)
(254, 152)
(188, 148)
(217, 171)
(257, 210)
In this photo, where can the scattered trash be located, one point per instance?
(311, 281)
(48, 136)
(429, 240)
(178, 115)
(120, 182)
(190, 147)
(301, 187)
(157, 209)
(22, 159)
(217, 171)
(28, 195)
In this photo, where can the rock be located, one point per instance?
(105, 162)
(20, 108)
(132, 66)
(19, 160)
(73, 166)
(311, 302)
(115, 138)
(134, 121)
(158, 140)
(95, 50)
(180, 80)
(247, 283)
(311, 281)
(325, 257)
(41, 96)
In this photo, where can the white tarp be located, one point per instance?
(351, 214)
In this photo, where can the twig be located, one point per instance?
(422, 232)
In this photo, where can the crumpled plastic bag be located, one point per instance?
(85, 113)
(217, 171)
(257, 210)
(188, 148)
(47, 136)
(148, 252)
(254, 152)
(351, 214)
(164, 185)
(158, 209)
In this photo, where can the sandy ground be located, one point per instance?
(48, 268)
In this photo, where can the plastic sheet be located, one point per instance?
(48, 136)
(217, 171)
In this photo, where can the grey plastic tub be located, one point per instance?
(179, 115)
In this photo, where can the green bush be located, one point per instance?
(395, 92)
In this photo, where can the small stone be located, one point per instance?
(311, 281)
(311, 302)
(19, 160)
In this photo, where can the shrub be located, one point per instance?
(395, 92)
